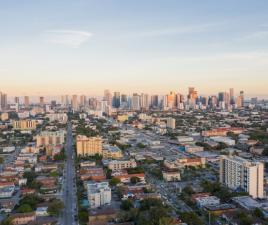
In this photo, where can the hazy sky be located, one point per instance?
(51, 47)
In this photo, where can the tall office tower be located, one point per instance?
(204, 101)
(136, 102)
(242, 97)
(144, 101)
(238, 173)
(3, 101)
(41, 101)
(124, 104)
(232, 97)
(17, 100)
(108, 97)
(170, 100)
(65, 100)
(74, 102)
(154, 101)
(83, 100)
(192, 96)
(240, 100)
(224, 100)
(26, 101)
(116, 100)
(93, 103)
(213, 102)
(179, 101)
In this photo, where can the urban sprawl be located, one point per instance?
(134, 159)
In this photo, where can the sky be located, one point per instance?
(53, 47)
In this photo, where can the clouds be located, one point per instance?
(69, 38)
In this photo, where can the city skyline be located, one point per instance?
(50, 48)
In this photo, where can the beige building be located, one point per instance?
(111, 152)
(121, 164)
(88, 145)
(4, 116)
(171, 123)
(46, 138)
(171, 176)
(236, 172)
(24, 124)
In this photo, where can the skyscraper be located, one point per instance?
(144, 101)
(41, 101)
(26, 102)
(108, 97)
(74, 102)
(136, 102)
(154, 101)
(3, 101)
(232, 97)
(17, 100)
(116, 100)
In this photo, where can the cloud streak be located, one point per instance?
(69, 38)
(182, 30)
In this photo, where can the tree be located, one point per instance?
(114, 181)
(126, 205)
(54, 207)
(140, 145)
(24, 208)
(166, 221)
(83, 216)
(191, 218)
(134, 180)
(1, 160)
(31, 200)
(258, 213)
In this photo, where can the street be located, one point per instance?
(69, 183)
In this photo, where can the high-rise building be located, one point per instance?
(3, 101)
(17, 100)
(238, 173)
(136, 102)
(232, 97)
(74, 102)
(65, 100)
(154, 101)
(192, 96)
(83, 100)
(144, 101)
(116, 100)
(108, 97)
(26, 101)
(41, 101)
(171, 100)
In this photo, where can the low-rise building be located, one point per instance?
(111, 152)
(171, 176)
(121, 164)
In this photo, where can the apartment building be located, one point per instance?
(88, 145)
(115, 165)
(111, 152)
(47, 138)
(24, 124)
(236, 173)
(98, 194)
